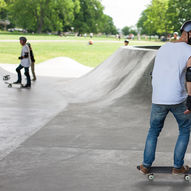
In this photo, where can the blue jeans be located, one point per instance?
(158, 115)
(18, 70)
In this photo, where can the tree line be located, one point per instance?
(163, 17)
(81, 16)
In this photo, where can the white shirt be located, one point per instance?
(25, 62)
(169, 73)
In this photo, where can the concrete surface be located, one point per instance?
(96, 144)
(63, 67)
(25, 111)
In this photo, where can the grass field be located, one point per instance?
(73, 47)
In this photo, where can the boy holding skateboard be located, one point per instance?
(25, 63)
(172, 64)
(32, 62)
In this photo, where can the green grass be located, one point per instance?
(79, 51)
(72, 48)
(15, 36)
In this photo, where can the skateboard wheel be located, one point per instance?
(187, 177)
(9, 85)
(151, 176)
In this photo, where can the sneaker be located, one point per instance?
(182, 170)
(144, 170)
(27, 86)
(17, 82)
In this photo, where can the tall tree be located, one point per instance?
(90, 17)
(129, 30)
(60, 15)
(3, 6)
(126, 30)
(154, 19)
(108, 26)
(178, 12)
(43, 15)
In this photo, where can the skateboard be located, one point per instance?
(10, 85)
(164, 170)
(6, 77)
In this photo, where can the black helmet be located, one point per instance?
(24, 39)
(186, 26)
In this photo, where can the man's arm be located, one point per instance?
(26, 53)
(188, 85)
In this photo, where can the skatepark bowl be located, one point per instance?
(86, 133)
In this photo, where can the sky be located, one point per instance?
(124, 12)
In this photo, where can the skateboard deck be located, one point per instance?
(10, 85)
(164, 170)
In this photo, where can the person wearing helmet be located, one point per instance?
(175, 37)
(172, 68)
(126, 42)
(25, 63)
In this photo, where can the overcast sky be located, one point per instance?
(124, 12)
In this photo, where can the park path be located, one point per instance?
(69, 40)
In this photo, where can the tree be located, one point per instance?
(43, 15)
(154, 19)
(178, 12)
(126, 30)
(3, 14)
(90, 18)
(141, 23)
(3, 6)
(59, 15)
(108, 26)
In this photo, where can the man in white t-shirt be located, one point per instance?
(172, 65)
(175, 37)
(25, 63)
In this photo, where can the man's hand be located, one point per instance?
(187, 112)
(188, 85)
(188, 105)
(20, 57)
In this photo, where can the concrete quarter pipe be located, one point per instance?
(96, 142)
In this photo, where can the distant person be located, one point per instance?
(90, 42)
(25, 63)
(32, 62)
(172, 68)
(175, 37)
(131, 36)
(126, 42)
(91, 35)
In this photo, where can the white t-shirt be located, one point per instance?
(169, 73)
(25, 62)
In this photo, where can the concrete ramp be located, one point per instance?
(126, 71)
(96, 142)
(59, 67)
